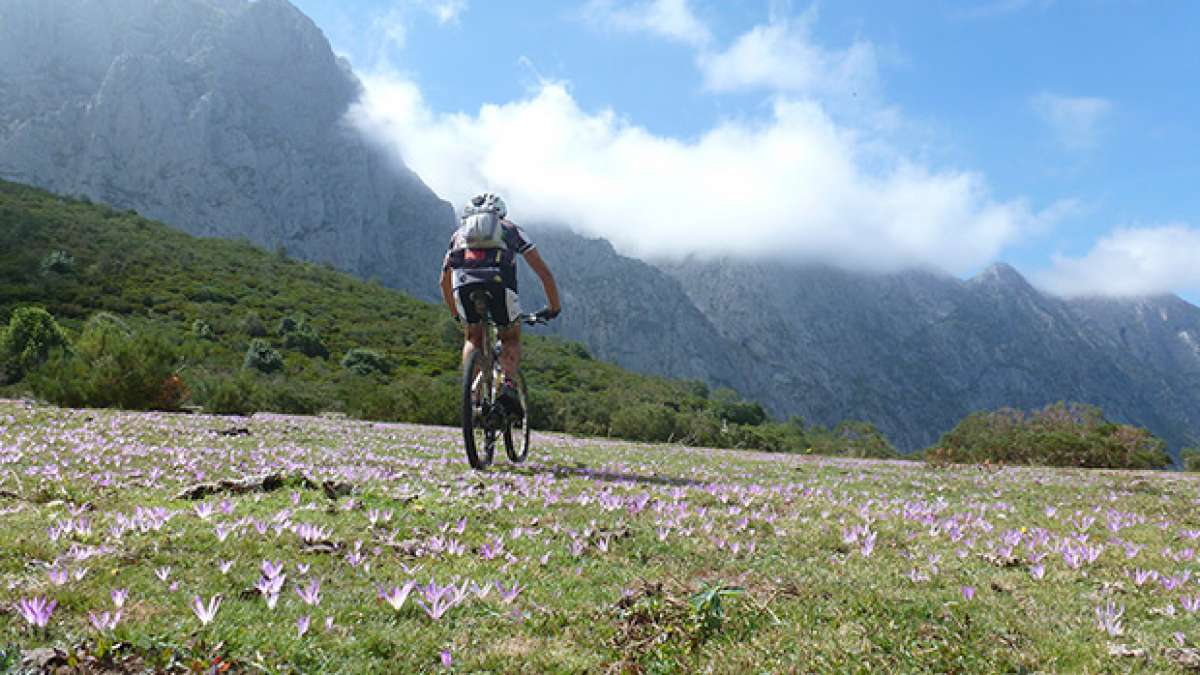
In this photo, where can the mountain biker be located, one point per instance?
(482, 256)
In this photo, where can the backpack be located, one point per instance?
(482, 229)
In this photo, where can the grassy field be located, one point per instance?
(595, 556)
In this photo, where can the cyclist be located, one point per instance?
(482, 256)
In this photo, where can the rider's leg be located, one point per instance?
(510, 355)
(474, 339)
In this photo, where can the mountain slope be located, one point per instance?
(915, 351)
(222, 117)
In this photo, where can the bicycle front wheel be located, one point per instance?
(516, 432)
(476, 402)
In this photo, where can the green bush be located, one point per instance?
(252, 325)
(851, 438)
(652, 422)
(110, 367)
(1063, 434)
(261, 356)
(232, 395)
(730, 407)
(1190, 458)
(28, 341)
(58, 262)
(302, 337)
(202, 330)
(366, 362)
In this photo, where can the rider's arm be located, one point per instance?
(539, 267)
(448, 291)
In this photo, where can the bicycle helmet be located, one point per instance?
(486, 203)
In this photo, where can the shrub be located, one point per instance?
(202, 330)
(367, 362)
(730, 407)
(110, 367)
(1063, 434)
(852, 438)
(232, 395)
(261, 356)
(1190, 458)
(651, 422)
(27, 342)
(58, 262)
(302, 337)
(252, 325)
(306, 341)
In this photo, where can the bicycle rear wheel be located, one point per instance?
(516, 432)
(476, 402)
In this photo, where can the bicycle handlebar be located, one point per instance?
(540, 317)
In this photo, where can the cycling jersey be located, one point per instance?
(487, 265)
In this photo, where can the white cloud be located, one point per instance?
(782, 56)
(1076, 121)
(1134, 261)
(393, 24)
(795, 186)
(445, 11)
(670, 19)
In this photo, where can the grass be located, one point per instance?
(626, 557)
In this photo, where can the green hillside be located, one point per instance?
(208, 299)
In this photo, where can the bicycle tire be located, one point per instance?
(473, 431)
(518, 452)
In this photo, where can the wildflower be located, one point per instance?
(105, 621)
(1108, 618)
(397, 595)
(1037, 571)
(204, 612)
(163, 572)
(225, 566)
(310, 594)
(447, 660)
(968, 593)
(37, 611)
(119, 596)
(58, 576)
(302, 625)
(510, 594)
(271, 570)
(1190, 603)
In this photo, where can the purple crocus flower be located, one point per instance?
(105, 621)
(37, 611)
(302, 625)
(204, 612)
(447, 660)
(968, 593)
(119, 596)
(310, 594)
(397, 595)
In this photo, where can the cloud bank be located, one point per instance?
(1130, 262)
(794, 186)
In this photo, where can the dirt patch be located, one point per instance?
(268, 483)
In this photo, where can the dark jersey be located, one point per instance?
(487, 265)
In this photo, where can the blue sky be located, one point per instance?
(1057, 136)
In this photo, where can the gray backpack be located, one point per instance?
(482, 229)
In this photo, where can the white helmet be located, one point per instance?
(486, 203)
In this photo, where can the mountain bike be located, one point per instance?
(483, 418)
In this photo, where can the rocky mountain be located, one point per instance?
(225, 118)
(221, 117)
(916, 351)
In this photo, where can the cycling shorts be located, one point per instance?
(503, 303)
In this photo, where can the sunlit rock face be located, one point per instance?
(220, 117)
